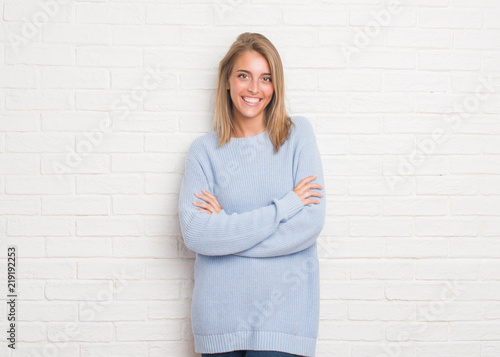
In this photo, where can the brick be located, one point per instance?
(80, 34)
(79, 290)
(246, 14)
(450, 18)
(436, 269)
(81, 331)
(316, 16)
(40, 226)
(19, 205)
(88, 78)
(150, 162)
(151, 247)
(87, 205)
(126, 349)
(40, 55)
(352, 290)
(169, 310)
(170, 269)
(110, 13)
(419, 38)
(18, 76)
(112, 311)
(150, 290)
(34, 12)
(35, 99)
(74, 163)
(110, 184)
(106, 268)
(445, 227)
(448, 311)
(147, 331)
(32, 185)
(78, 247)
(379, 311)
(198, 15)
(351, 331)
(144, 35)
(108, 226)
(36, 142)
(438, 60)
(93, 56)
(48, 311)
(42, 269)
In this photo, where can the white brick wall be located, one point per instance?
(404, 97)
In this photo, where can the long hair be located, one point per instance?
(276, 119)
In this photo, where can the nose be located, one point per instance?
(253, 86)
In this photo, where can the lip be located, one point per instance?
(251, 104)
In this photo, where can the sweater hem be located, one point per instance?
(256, 341)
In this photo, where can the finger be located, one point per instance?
(207, 199)
(202, 204)
(306, 180)
(214, 199)
(313, 186)
(208, 207)
(208, 212)
(314, 193)
(311, 200)
(309, 186)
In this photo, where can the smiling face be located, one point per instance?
(250, 86)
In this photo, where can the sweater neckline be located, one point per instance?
(249, 138)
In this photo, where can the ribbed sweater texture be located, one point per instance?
(256, 270)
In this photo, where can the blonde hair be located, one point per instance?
(277, 121)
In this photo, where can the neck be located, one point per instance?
(247, 127)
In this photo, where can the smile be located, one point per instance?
(251, 101)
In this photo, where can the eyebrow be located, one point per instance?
(244, 70)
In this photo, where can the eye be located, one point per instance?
(268, 79)
(242, 74)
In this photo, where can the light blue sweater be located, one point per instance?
(256, 269)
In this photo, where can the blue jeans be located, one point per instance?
(249, 353)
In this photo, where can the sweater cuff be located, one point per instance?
(291, 204)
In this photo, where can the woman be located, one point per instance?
(256, 215)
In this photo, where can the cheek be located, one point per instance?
(236, 88)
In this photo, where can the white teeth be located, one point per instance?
(251, 100)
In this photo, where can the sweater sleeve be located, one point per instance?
(223, 233)
(300, 231)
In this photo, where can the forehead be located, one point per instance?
(251, 61)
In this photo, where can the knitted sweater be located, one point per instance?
(256, 270)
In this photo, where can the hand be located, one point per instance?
(211, 207)
(303, 190)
